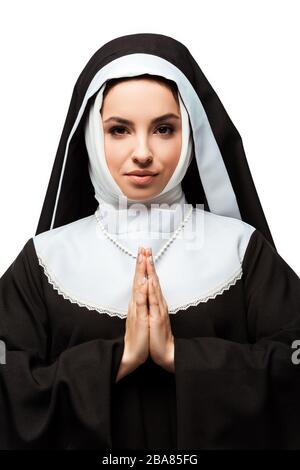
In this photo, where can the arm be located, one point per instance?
(43, 403)
(234, 395)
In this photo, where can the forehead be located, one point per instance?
(127, 96)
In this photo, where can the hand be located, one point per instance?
(136, 339)
(161, 339)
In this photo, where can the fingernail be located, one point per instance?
(140, 249)
(140, 258)
(150, 251)
(151, 259)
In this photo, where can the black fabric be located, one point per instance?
(55, 389)
(76, 199)
(244, 390)
(234, 385)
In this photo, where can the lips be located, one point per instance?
(141, 180)
(142, 173)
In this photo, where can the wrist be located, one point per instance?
(169, 363)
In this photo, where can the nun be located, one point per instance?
(150, 309)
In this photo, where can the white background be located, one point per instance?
(248, 50)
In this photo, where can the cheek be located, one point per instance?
(114, 154)
(170, 152)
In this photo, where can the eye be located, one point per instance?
(116, 128)
(166, 128)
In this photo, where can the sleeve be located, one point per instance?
(60, 404)
(234, 395)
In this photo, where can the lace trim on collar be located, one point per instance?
(218, 290)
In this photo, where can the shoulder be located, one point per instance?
(65, 236)
(262, 255)
(72, 229)
(224, 233)
(24, 274)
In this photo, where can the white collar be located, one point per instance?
(85, 268)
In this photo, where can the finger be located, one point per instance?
(154, 308)
(140, 287)
(159, 294)
(140, 267)
(150, 266)
(157, 287)
(141, 300)
(151, 271)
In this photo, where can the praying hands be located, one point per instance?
(148, 327)
(161, 339)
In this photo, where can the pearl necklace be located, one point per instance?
(128, 252)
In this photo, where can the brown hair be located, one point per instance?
(157, 78)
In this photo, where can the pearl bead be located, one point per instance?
(126, 251)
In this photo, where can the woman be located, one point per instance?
(105, 349)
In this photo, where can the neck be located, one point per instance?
(170, 197)
(161, 215)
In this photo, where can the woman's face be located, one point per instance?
(137, 136)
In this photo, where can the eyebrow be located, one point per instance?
(154, 121)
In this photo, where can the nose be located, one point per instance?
(142, 154)
(142, 160)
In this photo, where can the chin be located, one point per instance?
(142, 193)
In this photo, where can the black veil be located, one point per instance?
(70, 194)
